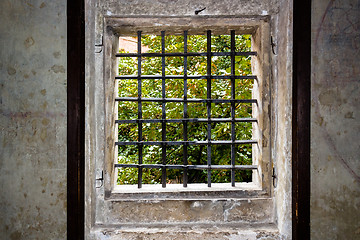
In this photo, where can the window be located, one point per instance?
(157, 109)
(124, 206)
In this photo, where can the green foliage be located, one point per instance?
(221, 89)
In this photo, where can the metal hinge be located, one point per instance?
(100, 179)
(274, 178)
(99, 45)
(273, 45)
(199, 11)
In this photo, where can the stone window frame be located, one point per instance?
(259, 28)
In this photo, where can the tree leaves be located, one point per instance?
(220, 89)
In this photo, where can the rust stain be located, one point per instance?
(11, 70)
(57, 54)
(15, 235)
(349, 115)
(29, 42)
(43, 134)
(44, 105)
(42, 114)
(58, 69)
(29, 4)
(330, 98)
(45, 121)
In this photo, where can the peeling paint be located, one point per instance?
(29, 42)
(57, 54)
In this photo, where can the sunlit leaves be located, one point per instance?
(174, 88)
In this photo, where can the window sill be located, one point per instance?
(188, 231)
(192, 192)
(139, 211)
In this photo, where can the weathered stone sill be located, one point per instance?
(203, 231)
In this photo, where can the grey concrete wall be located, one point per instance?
(33, 113)
(335, 125)
(32, 119)
(281, 115)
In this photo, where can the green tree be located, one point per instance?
(221, 89)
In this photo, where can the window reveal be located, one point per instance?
(142, 124)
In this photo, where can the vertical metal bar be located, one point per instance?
(232, 78)
(185, 123)
(209, 107)
(140, 146)
(163, 124)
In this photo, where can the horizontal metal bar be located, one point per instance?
(182, 77)
(187, 120)
(219, 142)
(194, 100)
(189, 54)
(216, 167)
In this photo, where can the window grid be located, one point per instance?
(185, 143)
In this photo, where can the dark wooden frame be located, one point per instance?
(301, 120)
(76, 119)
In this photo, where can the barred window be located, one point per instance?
(185, 109)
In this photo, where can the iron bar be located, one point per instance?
(232, 48)
(217, 142)
(190, 54)
(163, 124)
(182, 77)
(199, 167)
(187, 120)
(192, 100)
(140, 146)
(208, 79)
(185, 114)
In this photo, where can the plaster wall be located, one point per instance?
(32, 119)
(335, 125)
(281, 114)
(33, 113)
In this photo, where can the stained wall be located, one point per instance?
(281, 95)
(335, 125)
(32, 119)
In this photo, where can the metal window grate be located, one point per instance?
(185, 143)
